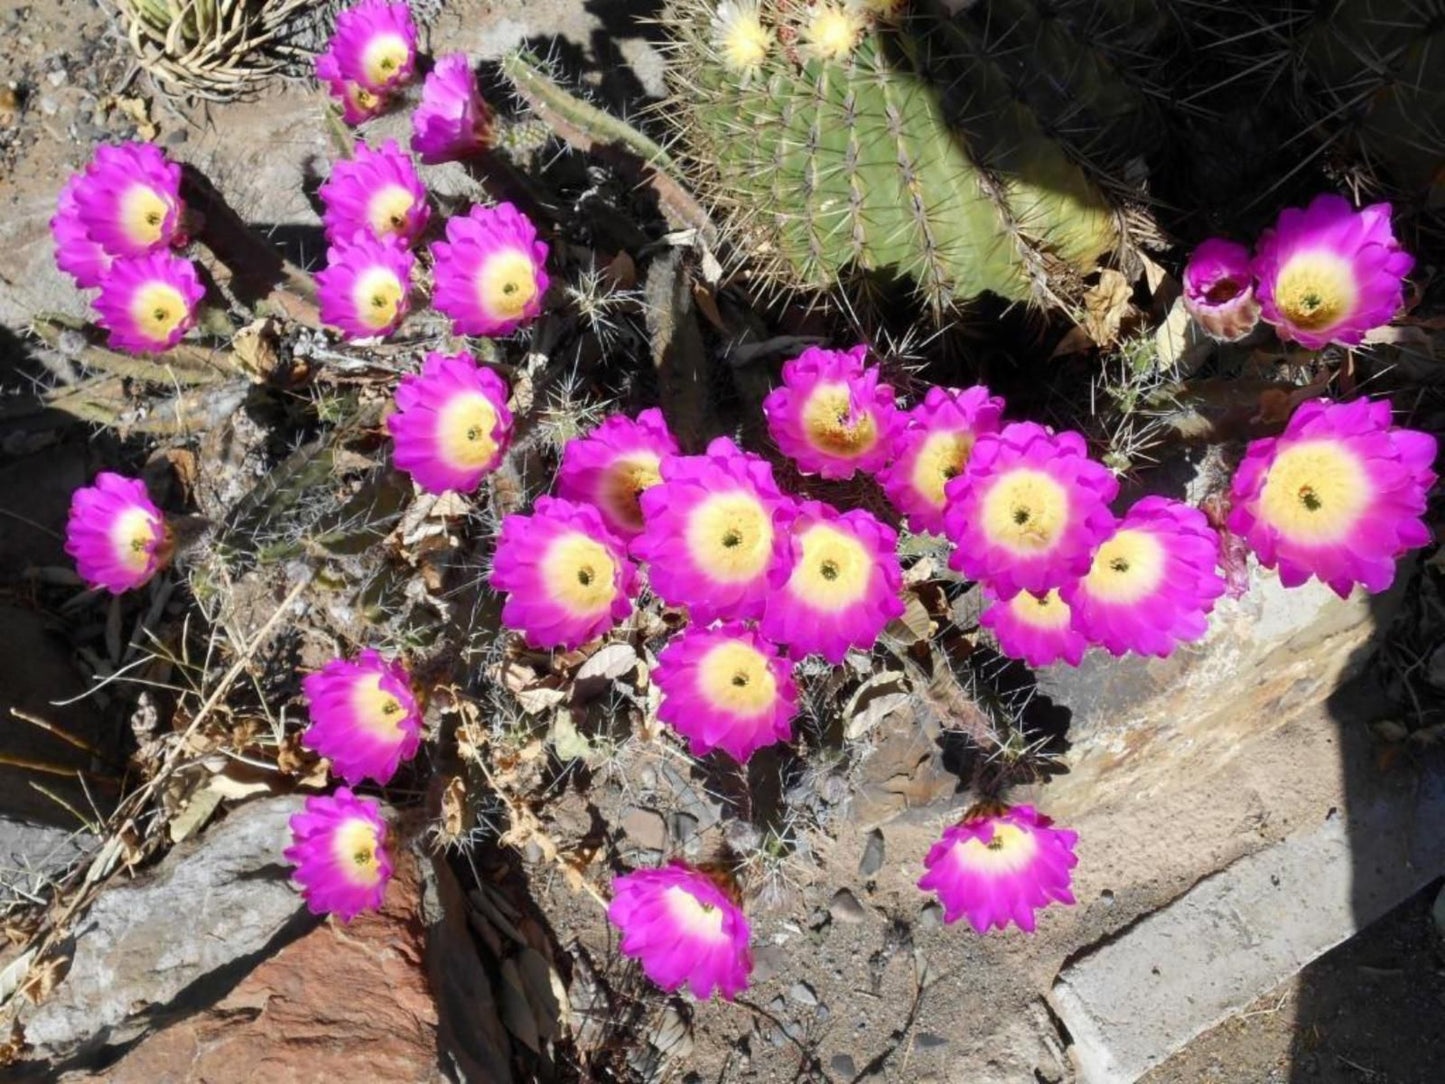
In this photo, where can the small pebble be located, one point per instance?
(48, 105)
(803, 994)
(58, 77)
(844, 907)
(872, 860)
(931, 917)
(926, 1040)
(843, 1065)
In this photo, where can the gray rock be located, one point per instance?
(149, 951)
(843, 1065)
(930, 917)
(872, 860)
(1138, 998)
(844, 907)
(645, 828)
(802, 994)
(926, 1040)
(767, 962)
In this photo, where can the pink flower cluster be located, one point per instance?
(1321, 274)
(366, 720)
(373, 54)
(116, 226)
(490, 272)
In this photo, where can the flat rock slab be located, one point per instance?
(1138, 998)
(153, 950)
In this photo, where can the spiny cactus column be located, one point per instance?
(842, 146)
(1375, 71)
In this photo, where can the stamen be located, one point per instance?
(363, 856)
(740, 679)
(1118, 564)
(732, 539)
(828, 570)
(1310, 499)
(1022, 515)
(585, 576)
(161, 315)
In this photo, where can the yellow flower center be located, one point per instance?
(378, 712)
(695, 918)
(941, 459)
(580, 574)
(1315, 290)
(1047, 611)
(133, 535)
(143, 214)
(507, 283)
(834, 570)
(731, 536)
(356, 848)
(377, 297)
(157, 309)
(832, 30)
(464, 431)
(1127, 568)
(833, 426)
(741, 39)
(361, 98)
(384, 58)
(1025, 511)
(735, 678)
(623, 482)
(1009, 850)
(389, 211)
(1316, 492)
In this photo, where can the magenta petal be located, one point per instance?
(440, 425)
(339, 851)
(453, 121)
(683, 929)
(830, 415)
(491, 275)
(375, 192)
(115, 534)
(567, 577)
(613, 465)
(364, 718)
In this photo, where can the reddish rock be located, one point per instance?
(340, 1003)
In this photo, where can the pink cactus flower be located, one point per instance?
(1219, 289)
(1328, 273)
(567, 577)
(115, 533)
(709, 532)
(451, 424)
(933, 447)
(999, 866)
(1153, 581)
(375, 192)
(129, 199)
(453, 121)
(148, 303)
(612, 466)
(491, 272)
(83, 259)
(374, 45)
(1029, 510)
(1339, 496)
(339, 851)
(357, 103)
(1036, 628)
(835, 581)
(365, 290)
(726, 688)
(364, 718)
(831, 416)
(684, 929)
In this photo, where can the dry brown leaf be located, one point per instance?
(43, 978)
(255, 348)
(456, 811)
(1105, 306)
(138, 110)
(610, 662)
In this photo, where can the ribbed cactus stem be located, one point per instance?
(854, 152)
